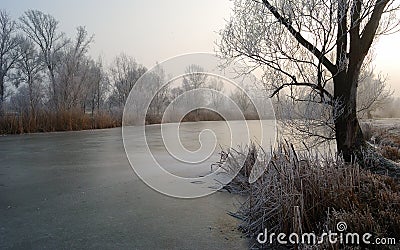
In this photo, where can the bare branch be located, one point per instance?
(328, 64)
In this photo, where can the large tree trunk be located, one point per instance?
(349, 137)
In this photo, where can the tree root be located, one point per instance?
(368, 158)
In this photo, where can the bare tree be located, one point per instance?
(124, 73)
(241, 98)
(217, 85)
(194, 77)
(160, 100)
(57, 81)
(20, 101)
(41, 28)
(29, 71)
(98, 87)
(73, 81)
(373, 93)
(318, 45)
(8, 50)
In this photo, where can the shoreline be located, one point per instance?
(377, 120)
(116, 127)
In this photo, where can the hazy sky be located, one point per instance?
(152, 31)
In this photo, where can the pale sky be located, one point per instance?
(153, 31)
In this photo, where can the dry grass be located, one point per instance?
(385, 138)
(304, 192)
(61, 121)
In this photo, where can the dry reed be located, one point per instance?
(310, 191)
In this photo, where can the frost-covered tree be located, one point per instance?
(156, 80)
(318, 45)
(73, 72)
(123, 75)
(373, 93)
(9, 41)
(42, 29)
(194, 79)
(241, 99)
(98, 86)
(217, 85)
(28, 75)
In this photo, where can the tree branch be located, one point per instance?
(303, 84)
(371, 27)
(341, 37)
(314, 50)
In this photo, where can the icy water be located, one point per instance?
(78, 190)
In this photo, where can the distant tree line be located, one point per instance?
(209, 95)
(49, 82)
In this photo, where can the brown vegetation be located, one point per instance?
(385, 137)
(311, 192)
(50, 122)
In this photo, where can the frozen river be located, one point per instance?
(77, 190)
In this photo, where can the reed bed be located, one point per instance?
(311, 191)
(60, 121)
